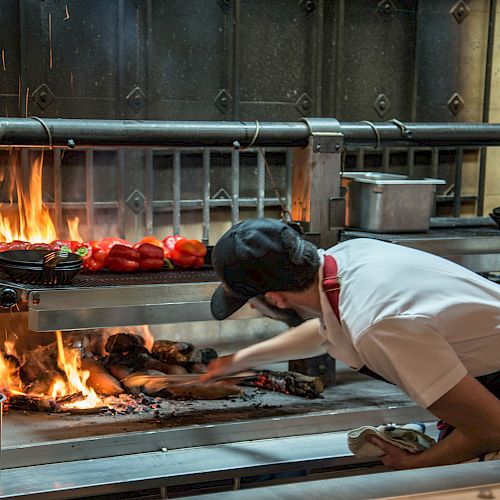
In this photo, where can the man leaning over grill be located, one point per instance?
(414, 319)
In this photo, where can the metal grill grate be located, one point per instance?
(104, 279)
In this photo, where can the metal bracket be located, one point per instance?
(304, 104)
(326, 135)
(382, 104)
(386, 9)
(223, 101)
(136, 99)
(309, 5)
(460, 11)
(136, 201)
(43, 96)
(456, 103)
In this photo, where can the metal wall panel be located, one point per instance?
(377, 71)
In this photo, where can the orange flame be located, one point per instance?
(9, 379)
(74, 233)
(32, 222)
(76, 379)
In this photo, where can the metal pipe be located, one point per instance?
(177, 193)
(148, 191)
(57, 190)
(261, 182)
(206, 195)
(486, 103)
(89, 193)
(459, 160)
(120, 192)
(86, 133)
(235, 194)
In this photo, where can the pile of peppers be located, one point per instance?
(120, 256)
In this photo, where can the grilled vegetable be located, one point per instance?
(188, 253)
(122, 259)
(151, 257)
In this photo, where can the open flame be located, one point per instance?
(32, 221)
(76, 379)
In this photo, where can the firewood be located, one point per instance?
(119, 372)
(212, 390)
(151, 363)
(291, 383)
(33, 403)
(203, 356)
(70, 398)
(172, 352)
(100, 379)
(123, 342)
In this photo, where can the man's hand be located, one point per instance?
(393, 456)
(219, 368)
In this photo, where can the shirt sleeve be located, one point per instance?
(410, 352)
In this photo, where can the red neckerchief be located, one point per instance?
(331, 284)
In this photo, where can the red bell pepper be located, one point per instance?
(71, 245)
(19, 245)
(169, 244)
(189, 253)
(123, 259)
(95, 259)
(151, 257)
(39, 246)
(107, 243)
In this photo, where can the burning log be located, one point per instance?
(40, 368)
(124, 342)
(128, 355)
(100, 379)
(292, 383)
(184, 354)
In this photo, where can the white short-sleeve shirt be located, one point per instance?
(418, 320)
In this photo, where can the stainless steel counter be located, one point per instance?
(477, 248)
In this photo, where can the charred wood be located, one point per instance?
(172, 352)
(291, 383)
(124, 342)
(33, 403)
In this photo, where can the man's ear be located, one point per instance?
(277, 299)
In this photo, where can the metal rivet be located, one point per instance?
(71, 143)
(317, 147)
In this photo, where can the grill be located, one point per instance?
(56, 450)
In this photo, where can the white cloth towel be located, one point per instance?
(410, 437)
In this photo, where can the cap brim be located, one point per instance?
(224, 304)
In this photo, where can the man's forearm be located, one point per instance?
(453, 449)
(304, 341)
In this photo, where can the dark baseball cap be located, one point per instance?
(257, 256)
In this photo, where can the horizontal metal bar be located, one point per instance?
(83, 132)
(158, 204)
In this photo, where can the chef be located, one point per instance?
(409, 317)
